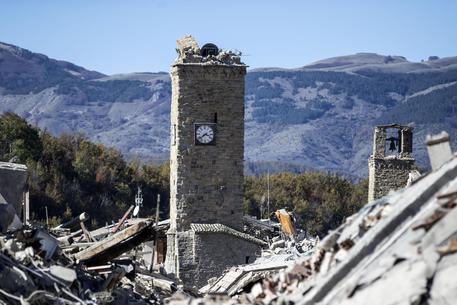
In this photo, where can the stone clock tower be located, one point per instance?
(206, 165)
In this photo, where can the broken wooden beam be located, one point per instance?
(116, 244)
(73, 223)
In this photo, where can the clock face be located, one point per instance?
(204, 134)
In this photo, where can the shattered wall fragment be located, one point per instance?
(439, 149)
(13, 178)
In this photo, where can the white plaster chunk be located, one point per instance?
(327, 262)
(382, 266)
(187, 44)
(403, 284)
(441, 230)
(444, 287)
(413, 176)
(65, 274)
(439, 149)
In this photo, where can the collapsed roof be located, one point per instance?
(400, 249)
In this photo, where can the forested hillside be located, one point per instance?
(320, 201)
(324, 118)
(432, 107)
(70, 175)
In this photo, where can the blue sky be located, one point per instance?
(128, 36)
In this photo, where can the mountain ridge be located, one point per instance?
(317, 118)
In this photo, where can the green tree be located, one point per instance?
(18, 139)
(319, 201)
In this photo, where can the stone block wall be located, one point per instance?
(206, 183)
(387, 174)
(211, 253)
(13, 179)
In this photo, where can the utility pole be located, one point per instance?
(155, 232)
(268, 194)
(47, 217)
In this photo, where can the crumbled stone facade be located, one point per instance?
(388, 173)
(206, 181)
(13, 184)
(206, 253)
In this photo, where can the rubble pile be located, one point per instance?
(61, 266)
(287, 244)
(190, 53)
(263, 229)
(34, 271)
(400, 249)
(288, 250)
(69, 264)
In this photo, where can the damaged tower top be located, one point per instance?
(391, 163)
(190, 53)
(206, 165)
(399, 138)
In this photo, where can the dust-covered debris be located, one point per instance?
(190, 53)
(400, 249)
(62, 266)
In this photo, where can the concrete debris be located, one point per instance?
(190, 53)
(58, 266)
(13, 184)
(444, 287)
(439, 149)
(187, 44)
(399, 249)
(65, 274)
(450, 248)
(413, 176)
(263, 229)
(285, 248)
(8, 218)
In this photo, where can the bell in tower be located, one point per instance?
(390, 171)
(392, 146)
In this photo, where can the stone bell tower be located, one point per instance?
(390, 172)
(206, 164)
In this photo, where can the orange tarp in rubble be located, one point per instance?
(287, 224)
